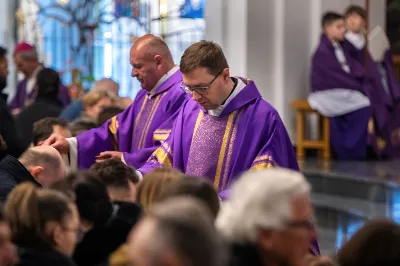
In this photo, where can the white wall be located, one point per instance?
(7, 39)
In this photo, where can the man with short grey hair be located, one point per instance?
(177, 232)
(40, 165)
(268, 219)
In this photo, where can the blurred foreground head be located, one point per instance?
(176, 232)
(269, 212)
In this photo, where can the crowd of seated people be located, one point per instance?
(266, 220)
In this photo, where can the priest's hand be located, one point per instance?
(58, 142)
(108, 155)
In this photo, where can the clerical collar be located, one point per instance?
(356, 39)
(36, 72)
(235, 80)
(239, 86)
(169, 74)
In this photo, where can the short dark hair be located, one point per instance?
(329, 17)
(198, 187)
(114, 173)
(48, 83)
(91, 196)
(80, 126)
(3, 52)
(43, 128)
(376, 243)
(107, 113)
(204, 54)
(355, 9)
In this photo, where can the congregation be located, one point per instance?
(197, 170)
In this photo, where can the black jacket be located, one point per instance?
(244, 255)
(10, 141)
(98, 244)
(41, 108)
(36, 252)
(129, 212)
(12, 173)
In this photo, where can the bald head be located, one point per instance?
(151, 59)
(151, 45)
(44, 163)
(107, 84)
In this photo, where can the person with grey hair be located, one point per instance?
(27, 62)
(268, 219)
(178, 231)
(41, 165)
(74, 109)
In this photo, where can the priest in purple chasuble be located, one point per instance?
(226, 129)
(134, 134)
(359, 112)
(27, 62)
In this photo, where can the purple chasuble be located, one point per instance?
(139, 129)
(22, 98)
(352, 133)
(248, 134)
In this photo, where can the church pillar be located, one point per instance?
(7, 37)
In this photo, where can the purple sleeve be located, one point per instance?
(115, 133)
(278, 149)
(138, 158)
(163, 156)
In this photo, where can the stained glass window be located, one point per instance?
(95, 36)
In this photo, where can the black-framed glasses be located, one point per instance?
(308, 225)
(201, 90)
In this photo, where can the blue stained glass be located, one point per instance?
(190, 10)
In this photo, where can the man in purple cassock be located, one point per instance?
(226, 128)
(134, 134)
(27, 62)
(343, 90)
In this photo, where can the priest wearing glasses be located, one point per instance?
(226, 128)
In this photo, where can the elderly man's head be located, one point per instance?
(270, 210)
(177, 232)
(26, 59)
(151, 59)
(44, 163)
(107, 84)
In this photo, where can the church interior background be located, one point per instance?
(86, 40)
(270, 42)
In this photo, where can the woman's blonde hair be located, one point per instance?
(29, 208)
(94, 96)
(149, 189)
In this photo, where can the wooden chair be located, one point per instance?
(323, 144)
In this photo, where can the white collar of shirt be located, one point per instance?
(30, 84)
(341, 57)
(162, 80)
(239, 87)
(356, 39)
